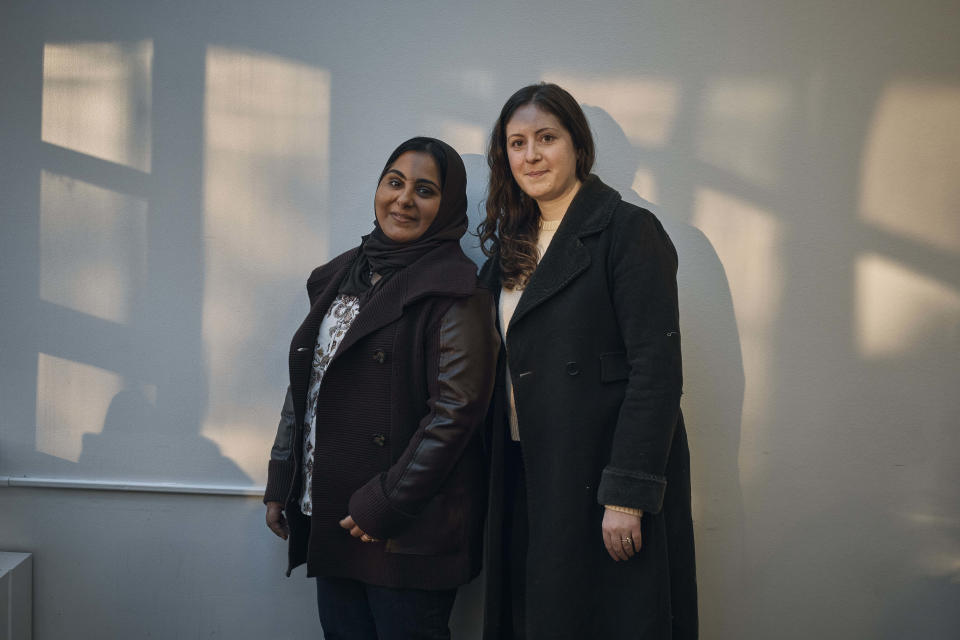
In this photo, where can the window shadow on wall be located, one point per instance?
(121, 385)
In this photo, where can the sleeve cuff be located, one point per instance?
(633, 489)
(373, 513)
(279, 480)
(632, 512)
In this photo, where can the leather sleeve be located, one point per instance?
(468, 345)
(643, 268)
(283, 442)
(281, 466)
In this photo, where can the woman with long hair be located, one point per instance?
(589, 527)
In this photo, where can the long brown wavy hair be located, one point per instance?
(512, 222)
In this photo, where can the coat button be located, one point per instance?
(379, 439)
(380, 356)
(573, 368)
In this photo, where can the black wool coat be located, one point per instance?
(399, 420)
(594, 354)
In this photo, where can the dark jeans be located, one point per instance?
(351, 610)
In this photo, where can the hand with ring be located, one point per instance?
(621, 534)
(355, 531)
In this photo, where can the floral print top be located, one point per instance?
(340, 316)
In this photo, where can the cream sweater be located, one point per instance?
(509, 298)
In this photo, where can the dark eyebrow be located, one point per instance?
(540, 130)
(400, 173)
(430, 182)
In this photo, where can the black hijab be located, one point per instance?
(379, 254)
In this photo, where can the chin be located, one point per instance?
(402, 237)
(538, 194)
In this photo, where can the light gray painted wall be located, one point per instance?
(170, 172)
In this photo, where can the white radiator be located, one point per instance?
(16, 596)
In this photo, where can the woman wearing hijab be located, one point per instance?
(376, 475)
(590, 531)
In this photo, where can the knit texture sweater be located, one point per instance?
(509, 298)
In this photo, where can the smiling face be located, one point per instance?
(408, 196)
(542, 157)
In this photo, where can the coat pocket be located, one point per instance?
(614, 366)
(438, 530)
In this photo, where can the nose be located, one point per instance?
(532, 152)
(405, 197)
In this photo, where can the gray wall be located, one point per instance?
(170, 172)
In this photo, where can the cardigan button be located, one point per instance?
(379, 439)
(573, 368)
(380, 356)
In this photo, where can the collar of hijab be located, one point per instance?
(379, 254)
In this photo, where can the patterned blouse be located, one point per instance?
(340, 316)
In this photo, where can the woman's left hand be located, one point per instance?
(621, 534)
(351, 526)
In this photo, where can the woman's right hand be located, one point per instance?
(276, 521)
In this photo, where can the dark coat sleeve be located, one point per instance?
(463, 361)
(281, 466)
(643, 268)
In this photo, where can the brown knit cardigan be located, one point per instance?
(398, 416)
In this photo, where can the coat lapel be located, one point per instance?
(383, 307)
(567, 257)
(443, 271)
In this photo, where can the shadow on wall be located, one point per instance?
(121, 364)
(136, 443)
(713, 383)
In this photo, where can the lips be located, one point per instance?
(536, 174)
(401, 218)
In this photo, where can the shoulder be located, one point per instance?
(627, 216)
(481, 296)
(638, 245)
(631, 225)
(470, 320)
(478, 300)
(472, 301)
(321, 276)
(443, 272)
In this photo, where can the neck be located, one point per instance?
(556, 208)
